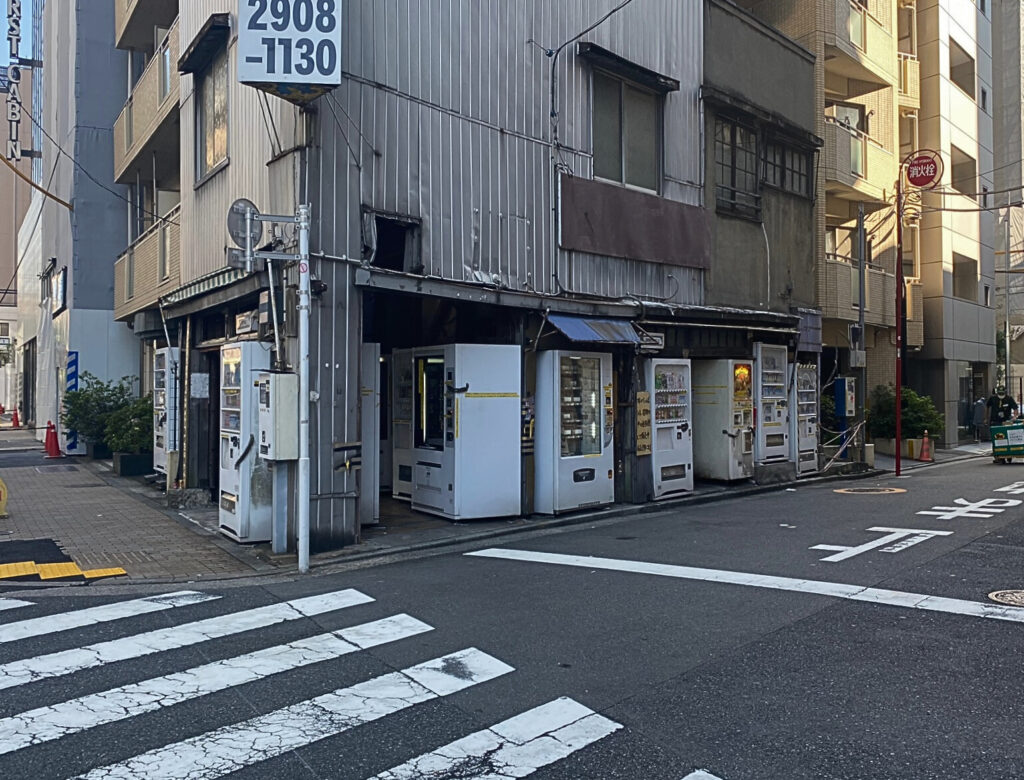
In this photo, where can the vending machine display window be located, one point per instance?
(430, 396)
(581, 406)
(671, 394)
(231, 389)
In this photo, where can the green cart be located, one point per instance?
(1007, 442)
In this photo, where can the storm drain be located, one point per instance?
(870, 491)
(1014, 598)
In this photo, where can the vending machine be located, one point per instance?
(166, 369)
(466, 436)
(723, 419)
(245, 482)
(672, 430)
(771, 389)
(804, 417)
(401, 424)
(573, 444)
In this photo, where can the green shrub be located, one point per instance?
(918, 414)
(87, 409)
(130, 428)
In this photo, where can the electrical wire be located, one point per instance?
(96, 181)
(35, 225)
(344, 135)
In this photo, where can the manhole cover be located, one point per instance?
(1012, 597)
(870, 491)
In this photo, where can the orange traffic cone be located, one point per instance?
(926, 449)
(15, 422)
(52, 445)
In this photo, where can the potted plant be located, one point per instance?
(87, 409)
(918, 415)
(130, 435)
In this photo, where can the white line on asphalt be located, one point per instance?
(234, 747)
(893, 598)
(516, 747)
(52, 624)
(701, 775)
(48, 723)
(13, 604)
(78, 658)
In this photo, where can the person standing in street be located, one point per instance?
(1002, 408)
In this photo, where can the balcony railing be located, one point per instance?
(863, 40)
(857, 161)
(842, 291)
(153, 100)
(151, 267)
(850, 146)
(909, 80)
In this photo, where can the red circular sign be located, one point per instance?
(924, 169)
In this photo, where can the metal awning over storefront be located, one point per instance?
(596, 331)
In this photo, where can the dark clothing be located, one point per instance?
(1001, 409)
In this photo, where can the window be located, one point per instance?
(982, 6)
(165, 70)
(736, 186)
(984, 197)
(961, 68)
(788, 169)
(129, 276)
(626, 127)
(965, 278)
(5, 329)
(984, 99)
(988, 295)
(964, 172)
(165, 252)
(212, 115)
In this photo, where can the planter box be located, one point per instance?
(128, 464)
(911, 447)
(97, 451)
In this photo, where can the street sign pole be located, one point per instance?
(302, 216)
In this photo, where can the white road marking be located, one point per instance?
(701, 775)
(13, 604)
(516, 747)
(1015, 489)
(78, 658)
(49, 723)
(892, 535)
(839, 590)
(234, 747)
(52, 624)
(986, 509)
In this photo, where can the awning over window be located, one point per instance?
(213, 36)
(598, 331)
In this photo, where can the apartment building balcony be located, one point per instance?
(856, 166)
(857, 45)
(842, 292)
(149, 268)
(148, 122)
(134, 21)
(909, 84)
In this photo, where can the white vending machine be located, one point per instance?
(246, 489)
(771, 389)
(804, 418)
(466, 415)
(723, 419)
(573, 441)
(401, 424)
(166, 369)
(672, 430)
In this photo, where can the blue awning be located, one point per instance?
(598, 331)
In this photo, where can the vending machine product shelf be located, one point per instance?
(166, 368)
(672, 440)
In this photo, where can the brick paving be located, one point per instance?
(102, 520)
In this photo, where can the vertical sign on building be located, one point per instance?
(71, 383)
(290, 48)
(14, 81)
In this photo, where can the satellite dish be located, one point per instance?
(236, 223)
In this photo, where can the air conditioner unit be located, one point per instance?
(247, 322)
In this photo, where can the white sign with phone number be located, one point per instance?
(289, 41)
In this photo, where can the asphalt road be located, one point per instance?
(799, 634)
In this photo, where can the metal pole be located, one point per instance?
(861, 341)
(899, 317)
(303, 466)
(1006, 295)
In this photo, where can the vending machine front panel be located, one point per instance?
(672, 445)
(402, 385)
(805, 404)
(772, 442)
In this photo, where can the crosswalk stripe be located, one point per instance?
(13, 604)
(894, 598)
(49, 723)
(234, 747)
(516, 747)
(52, 624)
(76, 659)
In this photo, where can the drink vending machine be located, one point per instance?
(245, 481)
(573, 443)
(166, 369)
(771, 389)
(672, 439)
(723, 419)
(401, 424)
(466, 436)
(804, 405)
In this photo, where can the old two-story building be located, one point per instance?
(532, 252)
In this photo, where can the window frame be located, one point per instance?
(973, 93)
(659, 130)
(732, 205)
(779, 168)
(200, 80)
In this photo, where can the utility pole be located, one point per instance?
(1006, 304)
(899, 318)
(862, 373)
